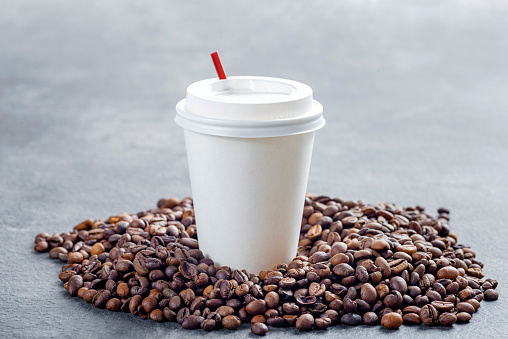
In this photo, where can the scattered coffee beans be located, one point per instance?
(356, 263)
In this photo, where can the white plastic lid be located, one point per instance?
(249, 107)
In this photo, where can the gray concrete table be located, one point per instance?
(414, 95)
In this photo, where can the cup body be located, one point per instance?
(249, 144)
(248, 196)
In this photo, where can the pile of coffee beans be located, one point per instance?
(356, 264)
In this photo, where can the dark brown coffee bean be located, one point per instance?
(224, 311)
(272, 299)
(54, 252)
(391, 320)
(447, 319)
(208, 324)
(149, 304)
(182, 315)
(465, 307)
(398, 284)
(227, 288)
(256, 307)
(41, 246)
(123, 266)
(134, 303)
(463, 317)
(192, 322)
(411, 318)
(305, 300)
(370, 318)
(231, 322)
(188, 296)
(169, 314)
(343, 270)
(362, 274)
(384, 266)
(305, 322)
(259, 329)
(113, 304)
(351, 319)
(429, 315)
(442, 306)
(101, 298)
(491, 294)
(74, 284)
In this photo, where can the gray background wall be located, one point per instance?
(414, 95)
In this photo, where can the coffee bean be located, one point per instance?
(447, 319)
(465, 307)
(398, 284)
(411, 318)
(491, 294)
(305, 322)
(192, 322)
(391, 320)
(101, 298)
(259, 329)
(272, 299)
(442, 306)
(448, 272)
(74, 284)
(343, 270)
(351, 319)
(429, 315)
(231, 322)
(41, 246)
(463, 317)
(149, 304)
(370, 318)
(256, 307)
(113, 304)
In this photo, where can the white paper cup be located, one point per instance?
(249, 144)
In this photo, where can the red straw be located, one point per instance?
(218, 65)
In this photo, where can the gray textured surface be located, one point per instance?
(414, 95)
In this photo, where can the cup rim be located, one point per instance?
(305, 123)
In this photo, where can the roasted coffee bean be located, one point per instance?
(305, 322)
(447, 319)
(74, 284)
(370, 318)
(113, 304)
(463, 317)
(465, 307)
(272, 299)
(192, 322)
(448, 272)
(41, 246)
(411, 318)
(231, 322)
(149, 304)
(351, 319)
(182, 315)
(491, 294)
(101, 298)
(398, 284)
(256, 307)
(323, 322)
(259, 329)
(442, 306)
(429, 315)
(391, 320)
